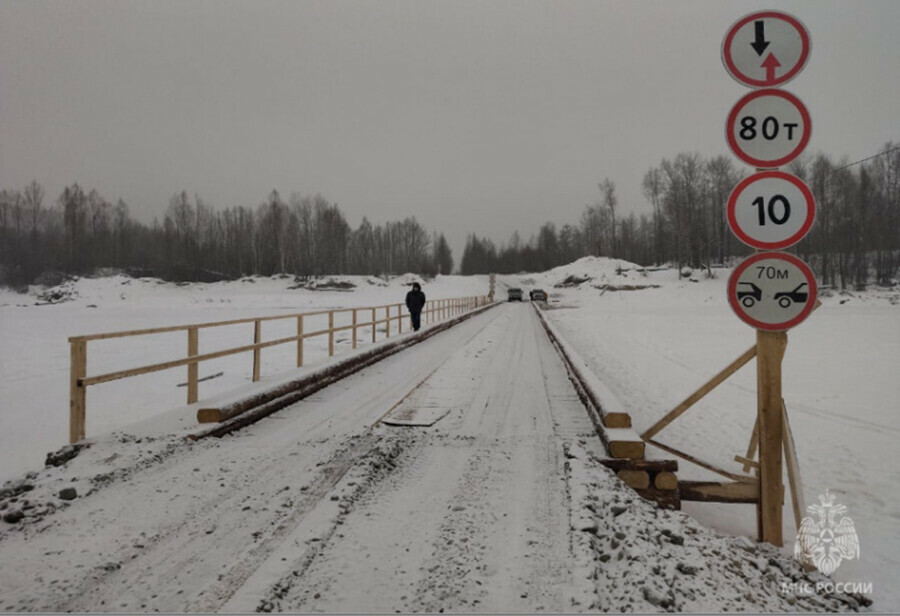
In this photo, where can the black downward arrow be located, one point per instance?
(760, 43)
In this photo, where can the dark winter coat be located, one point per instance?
(415, 301)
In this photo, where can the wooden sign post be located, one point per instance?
(770, 291)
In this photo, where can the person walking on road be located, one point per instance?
(415, 301)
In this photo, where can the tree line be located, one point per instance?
(855, 240)
(304, 235)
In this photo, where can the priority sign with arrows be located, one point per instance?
(766, 49)
(772, 291)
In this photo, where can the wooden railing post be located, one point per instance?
(399, 318)
(300, 341)
(374, 332)
(330, 333)
(387, 321)
(257, 338)
(77, 398)
(192, 369)
(354, 328)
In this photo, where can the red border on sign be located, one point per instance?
(772, 327)
(728, 61)
(750, 241)
(756, 162)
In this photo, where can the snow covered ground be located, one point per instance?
(654, 347)
(34, 390)
(379, 491)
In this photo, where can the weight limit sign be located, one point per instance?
(768, 128)
(772, 291)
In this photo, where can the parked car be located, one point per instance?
(514, 294)
(538, 295)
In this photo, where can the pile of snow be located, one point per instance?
(649, 559)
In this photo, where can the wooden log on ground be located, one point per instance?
(639, 480)
(665, 480)
(719, 491)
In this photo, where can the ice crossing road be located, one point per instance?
(322, 506)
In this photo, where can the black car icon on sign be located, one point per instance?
(785, 298)
(750, 296)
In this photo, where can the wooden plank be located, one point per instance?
(192, 369)
(751, 448)
(626, 449)
(700, 393)
(793, 470)
(665, 480)
(638, 480)
(77, 394)
(719, 491)
(700, 463)
(374, 324)
(617, 420)
(771, 347)
(354, 328)
(747, 462)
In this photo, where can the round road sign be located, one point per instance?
(765, 49)
(768, 128)
(772, 291)
(771, 210)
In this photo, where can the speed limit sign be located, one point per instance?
(768, 128)
(771, 210)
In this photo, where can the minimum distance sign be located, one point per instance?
(771, 210)
(766, 49)
(768, 128)
(772, 291)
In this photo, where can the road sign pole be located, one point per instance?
(770, 347)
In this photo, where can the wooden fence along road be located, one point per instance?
(434, 311)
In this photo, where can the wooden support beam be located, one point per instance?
(665, 480)
(747, 462)
(77, 396)
(751, 448)
(697, 395)
(330, 333)
(639, 480)
(617, 420)
(793, 471)
(771, 347)
(667, 499)
(719, 492)
(701, 463)
(257, 338)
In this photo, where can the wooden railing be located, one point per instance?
(434, 310)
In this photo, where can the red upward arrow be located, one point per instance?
(770, 64)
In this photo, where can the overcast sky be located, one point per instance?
(482, 116)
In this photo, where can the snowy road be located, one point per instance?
(323, 507)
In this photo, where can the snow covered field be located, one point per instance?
(34, 392)
(652, 347)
